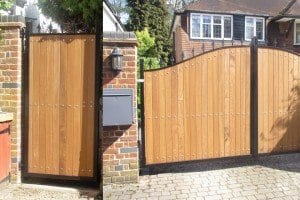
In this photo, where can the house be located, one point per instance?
(204, 25)
(111, 22)
(33, 16)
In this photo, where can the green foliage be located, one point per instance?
(154, 15)
(146, 43)
(83, 13)
(5, 4)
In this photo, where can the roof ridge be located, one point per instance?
(226, 1)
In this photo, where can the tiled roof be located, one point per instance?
(251, 7)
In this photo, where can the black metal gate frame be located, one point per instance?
(96, 179)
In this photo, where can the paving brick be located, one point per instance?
(193, 184)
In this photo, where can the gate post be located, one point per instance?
(254, 97)
(142, 114)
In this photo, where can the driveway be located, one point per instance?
(268, 177)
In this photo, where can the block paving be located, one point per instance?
(266, 177)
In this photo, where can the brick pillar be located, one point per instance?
(120, 143)
(10, 84)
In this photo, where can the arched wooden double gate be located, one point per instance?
(232, 101)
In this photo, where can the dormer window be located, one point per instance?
(208, 26)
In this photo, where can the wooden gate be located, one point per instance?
(200, 108)
(61, 139)
(279, 101)
(228, 102)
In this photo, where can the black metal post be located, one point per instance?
(98, 105)
(254, 97)
(141, 84)
(25, 102)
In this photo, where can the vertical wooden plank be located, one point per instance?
(232, 123)
(260, 100)
(271, 98)
(48, 104)
(221, 103)
(148, 117)
(174, 113)
(274, 131)
(266, 100)
(286, 97)
(33, 111)
(238, 102)
(290, 107)
(76, 79)
(192, 108)
(187, 113)
(227, 104)
(247, 135)
(210, 99)
(168, 103)
(181, 111)
(243, 100)
(155, 104)
(89, 54)
(62, 106)
(162, 117)
(204, 105)
(198, 86)
(295, 98)
(216, 110)
(55, 106)
(42, 110)
(280, 95)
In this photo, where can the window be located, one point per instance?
(206, 26)
(297, 33)
(254, 26)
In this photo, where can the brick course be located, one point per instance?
(10, 87)
(120, 146)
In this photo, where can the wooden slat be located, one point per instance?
(148, 117)
(198, 88)
(174, 114)
(192, 108)
(204, 105)
(180, 113)
(187, 113)
(216, 111)
(168, 122)
(227, 104)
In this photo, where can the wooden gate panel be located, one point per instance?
(61, 99)
(199, 109)
(279, 83)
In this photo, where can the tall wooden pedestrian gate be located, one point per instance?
(232, 101)
(62, 106)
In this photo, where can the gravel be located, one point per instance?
(36, 192)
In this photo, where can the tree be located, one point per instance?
(5, 4)
(82, 13)
(154, 15)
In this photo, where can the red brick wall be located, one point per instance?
(281, 34)
(10, 88)
(120, 143)
(186, 48)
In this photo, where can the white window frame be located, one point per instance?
(254, 20)
(297, 21)
(211, 35)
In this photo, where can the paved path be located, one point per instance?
(272, 177)
(41, 192)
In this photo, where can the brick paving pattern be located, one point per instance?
(268, 177)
